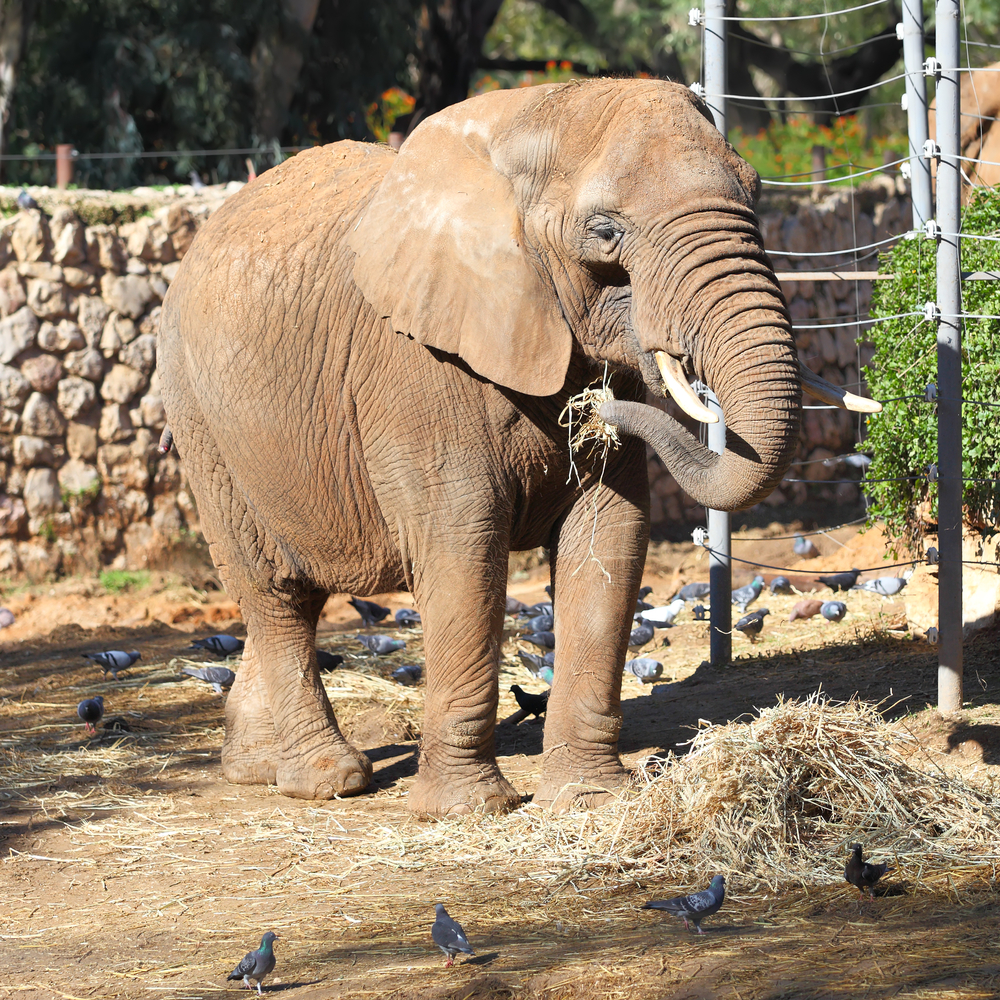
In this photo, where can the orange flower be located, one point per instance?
(565, 64)
(550, 65)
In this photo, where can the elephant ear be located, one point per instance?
(440, 252)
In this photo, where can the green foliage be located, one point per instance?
(382, 114)
(904, 436)
(114, 581)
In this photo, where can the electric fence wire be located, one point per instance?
(158, 154)
(809, 17)
(803, 534)
(770, 182)
(806, 572)
(817, 97)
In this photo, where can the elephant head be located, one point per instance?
(609, 218)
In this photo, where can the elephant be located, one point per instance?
(364, 357)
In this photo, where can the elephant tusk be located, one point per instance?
(833, 395)
(677, 385)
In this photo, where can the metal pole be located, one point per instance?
(719, 566)
(912, 27)
(949, 358)
(64, 165)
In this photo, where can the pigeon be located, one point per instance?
(256, 964)
(645, 669)
(197, 183)
(887, 586)
(743, 597)
(840, 581)
(863, 874)
(381, 645)
(221, 644)
(540, 623)
(25, 201)
(6, 618)
(218, 677)
(541, 608)
(694, 591)
(539, 666)
(449, 936)
(514, 606)
(781, 585)
(548, 590)
(833, 611)
(694, 907)
(90, 711)
(113, 660)
(805, 609)
(640, 635)
(751, 624)
(407, 617)
(328, 661)
(804, 548)
(640, 606)
(533, 704)
(699, 613)
(663, 617)
(546, 640)
(408, 674)
(644, 592)
(371, 613)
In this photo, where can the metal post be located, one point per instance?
(715, 61)
(912, 27)
(949, 358)
(64, 165)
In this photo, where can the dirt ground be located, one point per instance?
(130, 868)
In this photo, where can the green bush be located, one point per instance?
(114, 581)
(903, 438)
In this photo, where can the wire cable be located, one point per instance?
(799, 572)
(802, 534)
(810, 17)
(832, 180)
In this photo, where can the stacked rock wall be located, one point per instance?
(81, 484)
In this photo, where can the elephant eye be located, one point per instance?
(606, 231)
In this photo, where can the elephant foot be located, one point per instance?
(333, 770)
(487, 791)
(248, 762)
(565, 788)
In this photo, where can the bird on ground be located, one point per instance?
(644, 592)
(113, 660)
(696, 907)
(407, 617)
(408, 674)
(25, 201)
(699, 612)
(449, 936)
(781, 585)
(751, 624)
(381, 645)
(833, 611)
(256, 964)
(743, 597)
(91, 711)
(221, 644)
(805, 609)
(514, 606)
(887, 586)
(640, 606)
(694, 591)
(546, 640)
(532, 704)
(6, 618)
(196, 182)
(539, 666)
(328, 661)
(840, 581)
(804, 548)
(371, 613)
(540, 623)
(548, 590)
(218, 677)
(863, 874)
(541, 608)
(640, 635)
(663, 616)
(645, 669)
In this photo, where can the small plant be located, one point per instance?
(115, 581)
(382, 114)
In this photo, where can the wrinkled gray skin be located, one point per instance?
(518, 241)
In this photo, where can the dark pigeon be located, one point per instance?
(218, 677)
(221, 644)
(699, 613)
(449, 936)
(640, 635)
(541, 608)
(328, 661)
(641, 606)
(841, 581)
(514, 606)
(743, 597)
(806, 609)
(91, 710)
(407, 617)
(540, 623)
(751, 624)
(539, 666)
(381, 645)
(6, 618)
(408, 674)
(25, 201)
(694, 591)
(863, 874)
(887, 586)
(645, 669)
(693, 908)
(532, 704)
(781, 585)
(546, 640)
(833, 611)
(256, 964)
(113, 660)
(804, 548)
(371, 613)
(644, 592)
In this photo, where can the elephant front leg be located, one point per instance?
(597, 573)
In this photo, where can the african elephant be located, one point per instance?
(364, 357)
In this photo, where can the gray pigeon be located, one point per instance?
(371, 613)
(449, 936)
(539, 666)
(693, 908)
(641, 635)
(804, 548)
(6, 618)
(221, 644)
(256, 964)
(381, 645)
(218, 677)
(694, 591)
(841, 581)
(645, 669)
(663, 617)
(514, 606)
(540, 623)
(407, 617)
(91, 710)
(751, 624)
(743, 597)
(887, 586)
(25, 201)
(408, 674)
(113, 660)
(833, 611)
(863, 874)
(781, 585)
(547, 640)
(541, 608)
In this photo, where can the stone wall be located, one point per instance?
(81, 281)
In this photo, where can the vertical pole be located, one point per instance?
(64, 165)
(720, 566)
(949, 359)
(916, 111)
